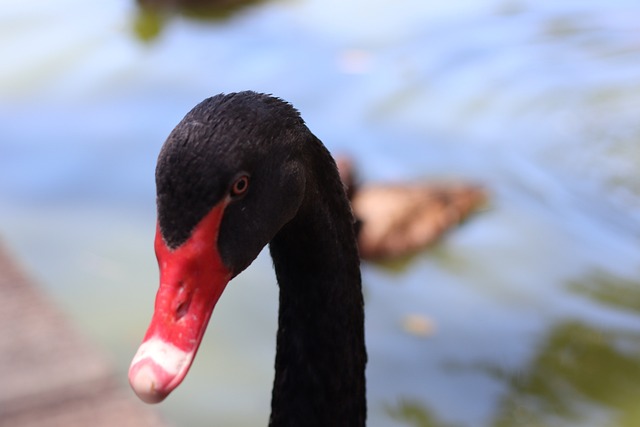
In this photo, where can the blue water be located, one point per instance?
(533, 305)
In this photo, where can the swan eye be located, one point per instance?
(240, 186)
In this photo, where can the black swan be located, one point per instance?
(397, 220)
(240, 171)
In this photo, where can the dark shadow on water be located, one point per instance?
(153, 15)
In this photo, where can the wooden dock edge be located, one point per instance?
(50, 376)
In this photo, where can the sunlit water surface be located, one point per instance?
(532, 306)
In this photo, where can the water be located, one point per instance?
(532, 307)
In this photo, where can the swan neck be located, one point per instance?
(321, 356)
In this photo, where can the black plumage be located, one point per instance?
(297, 203)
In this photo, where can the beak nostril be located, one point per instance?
(183, 306)
(182, 309)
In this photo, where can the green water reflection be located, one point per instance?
(414, 414)
(609, 289)
(581, 373)
(153, 15)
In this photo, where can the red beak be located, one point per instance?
(192, 278)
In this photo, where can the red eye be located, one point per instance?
(240, 186)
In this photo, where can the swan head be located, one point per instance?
(228, 178)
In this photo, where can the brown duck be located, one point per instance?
(396, 220)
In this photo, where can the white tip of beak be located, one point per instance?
(157, 368)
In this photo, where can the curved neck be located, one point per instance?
(321, 356)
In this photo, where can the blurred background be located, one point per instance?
(530, 312)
